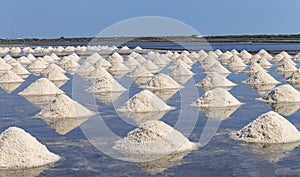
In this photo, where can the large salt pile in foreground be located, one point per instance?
(161, 81)
(261, 77)
(64, 107)
(283, 93)
(217, 97)
(269, 128)
(154, 138)
(144, 101)
(10, 77)
(18, 149)
(41, 86)
(214, 80)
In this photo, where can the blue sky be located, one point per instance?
(77, 18)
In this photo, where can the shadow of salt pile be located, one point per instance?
(286, 109)
(30, 172)
(272, 152)
(162, 164)
(218, 113)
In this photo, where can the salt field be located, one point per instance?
(231, 109)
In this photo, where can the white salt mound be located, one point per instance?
(161, 81)
(64, 107)
(154, 138)
(150, 66)
(20, 70)
(4, 66)
(218, 97)
(214, 80)
(269, 128)
(218, 68)
(144, 101)
(181, 70)
(140, 71)
(10, 77)
(254, 67)
(286, 67)
(294, 77)
(56, 76)
(106, 84)
(283, 93)
(37, 64)
(117, 66)
(41, 86)
(53, 68)
(18, 149)
(261, 77)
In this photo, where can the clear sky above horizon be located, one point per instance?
(77, 18)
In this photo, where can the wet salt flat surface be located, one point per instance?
(222, 156)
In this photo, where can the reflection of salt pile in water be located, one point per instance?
(10, 77)
(106, 84)
(215, 80)
(20, 150)
(285, 108)
(283, 93)
(261, 77)
(64, 107)
(218, 113)
(161, 81)
(153, 139)
(41, 86)
(217, 97)
(20, 70)
(144, 101)
(269, 128)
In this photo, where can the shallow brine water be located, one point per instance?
(221, 156)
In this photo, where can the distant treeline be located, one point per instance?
(194, 38)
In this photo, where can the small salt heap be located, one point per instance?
(269, 128)
(118, 66)
(18, 149)
(140, 71)
(24, 61)
(209, 62)
(20, 70)
(131, 63)
(245, 55)
(286, 67)
(294, 77)
(10, 77)
(215, 80)
(37, 66)
(41, 86)
(218, 68)
(235, 61)
(116, 58)
(180, 70)
(261, 77)
(186, 60)
(144, 101)
(150, 66)
(64, 107)
(283, 93)
(261, 61)
(278, 57)
(92, 59)
(217, 97)
(161, 81)
(105, 85)
(4, 66)
(54, 56)
(254, 67)
(102, 63)
(153, 138)
(264, 54)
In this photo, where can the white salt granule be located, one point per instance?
(18, 149)
(269, 128)
(217, 97)
(106, 84)
(214, 80)
(261, 77)
(161, 81)
(41, 86)
(64, 107)
(154, 138)
(144, 101)
(10, 77)
(283, 93)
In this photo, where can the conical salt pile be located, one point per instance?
(20, 70)
(288, 61)
(92, 59)
(31, 57)
(150, 66)
(117, 66)
(140, 58)
(161, 60)
(294, 77)
(235, 61)
(24, 60)
(283, 93)
(106, 84)
(261, 61)
(265, 54)
(269, 128)
(186, 60)
(225, 57)
(215, 80)
(10, 77)
(116, 58)
(161, 81)
(177, 63)
(64, 107)
(254, 67)
(278, 57)
(180, 70)
(37, 64)
(102, 63)
(208, 62)
(217, 97)
(154, 138)
(48, 59)
(137, 48)
(41, 86)
(53, 68)
(18, 149)
(54, 56)
(55, 75)
(4, 66)
(140, 71)
(218, 68)
(144, 101)
(245, 55)
(286, 67)
(99, 73)
(261, 77)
